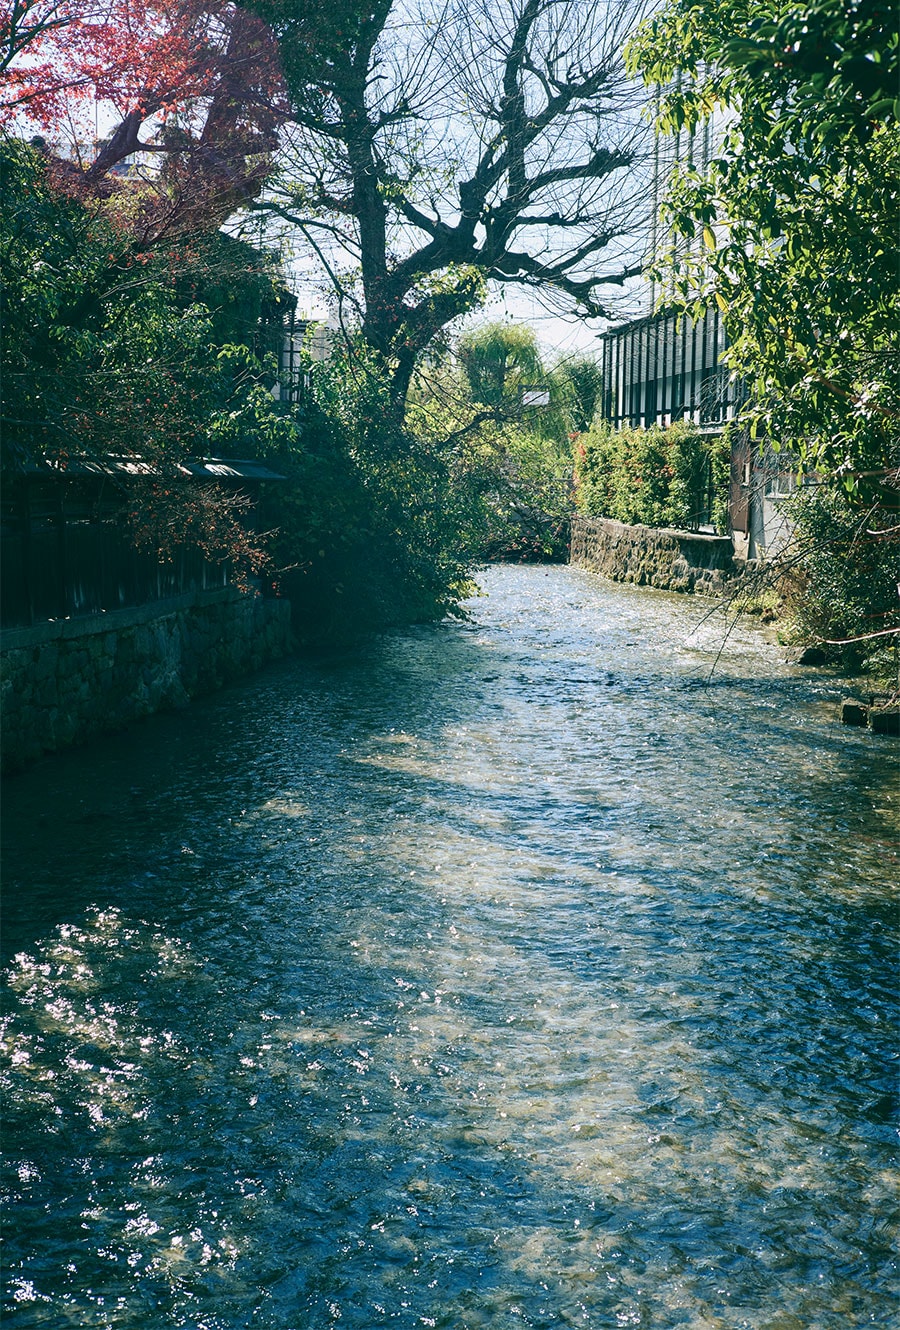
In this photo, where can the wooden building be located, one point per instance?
(660, 369)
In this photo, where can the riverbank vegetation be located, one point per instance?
(119, 348)
(791, 230)
(415, 164)
(528, 413)
(377, 523)
(136, 330)
(662, 477)
(838, 583)
(162, 351)
(155, 354)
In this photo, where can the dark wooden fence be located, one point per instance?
(65, 554)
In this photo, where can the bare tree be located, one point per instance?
(440, 144)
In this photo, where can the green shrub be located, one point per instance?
(664, 477)
(841, 577)
(374, 526)
(528, 510)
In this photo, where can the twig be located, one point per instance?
(864, 637)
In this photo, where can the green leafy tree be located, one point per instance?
(795, 218)
(527, 448)
(372, 529)
(530, 499)
(585, 379)
(500, 360)
(109, 350)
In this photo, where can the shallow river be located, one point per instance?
(530, 972)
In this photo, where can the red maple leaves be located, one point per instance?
(191, 89)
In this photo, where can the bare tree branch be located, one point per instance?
(460, 138)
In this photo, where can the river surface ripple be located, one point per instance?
(514, 973)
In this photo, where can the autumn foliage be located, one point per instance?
(192, 87)
(151, 122)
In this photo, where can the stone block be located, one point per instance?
(47, 692)
(853, 712)
(64, 682)
(46, 661)
(667, 559)
(809, 655)
(885, 720)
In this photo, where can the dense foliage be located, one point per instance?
(797, 213)
(520, 417)
(158, 357)
(664, 477)
(530, 499)
(792, 230)
(374, 526)
(110, 350)
(839, 576)
(136, 330)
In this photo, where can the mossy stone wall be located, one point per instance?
(648, 556)
(66, 680)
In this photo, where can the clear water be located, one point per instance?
(515, 973)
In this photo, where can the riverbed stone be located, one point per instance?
(813, 654)
(885, 720)
(853, 712)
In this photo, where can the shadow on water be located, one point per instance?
(448, 988)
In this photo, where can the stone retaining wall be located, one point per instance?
(66, 680)
(647, 556)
